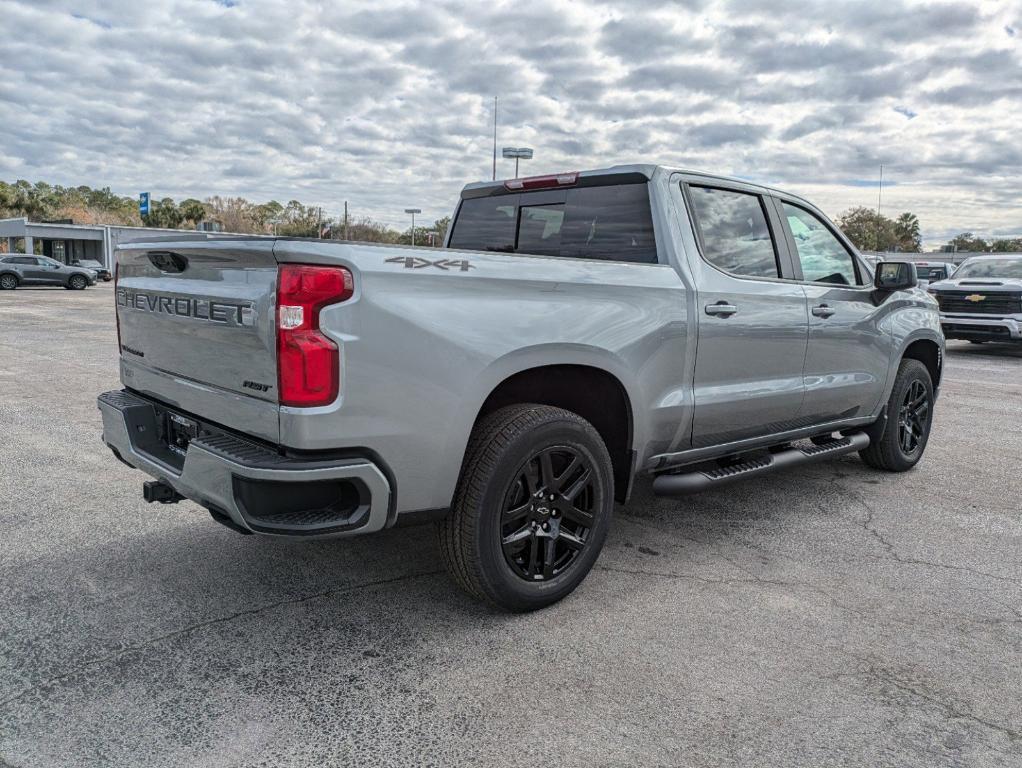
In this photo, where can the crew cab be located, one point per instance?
(982, 301)
(577, 331)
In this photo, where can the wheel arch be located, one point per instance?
(593, 393)
(929, 353)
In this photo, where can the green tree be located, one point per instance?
(868, 230)
(192, 210)
(967, 241)
(163, 214)
(906, 229)
(1007, 246)
(297, 220)
(441, 226)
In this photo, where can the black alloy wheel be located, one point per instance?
(78, 283)
(532, 507)
(8, 282)
(548, 513)
(898, 439)
(913, 417)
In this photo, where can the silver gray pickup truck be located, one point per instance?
(577, 331)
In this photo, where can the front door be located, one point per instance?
(848, 356)
(752, 322)
(37, 270)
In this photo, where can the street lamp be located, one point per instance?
(413, 211)
(518, 153)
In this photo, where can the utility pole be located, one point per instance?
(345, 219)
(413, 211)
(494, 138)
(880, 194)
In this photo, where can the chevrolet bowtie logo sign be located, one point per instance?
(975, 297)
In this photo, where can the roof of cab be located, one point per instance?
(644, 169)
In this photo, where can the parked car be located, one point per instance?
(16, 271)
(578, 331)
(982, 300)
(932, 271)
(102, 273)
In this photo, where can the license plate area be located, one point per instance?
(179, 431)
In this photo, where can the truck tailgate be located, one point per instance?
(197, 326)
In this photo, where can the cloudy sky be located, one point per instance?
(389, 105)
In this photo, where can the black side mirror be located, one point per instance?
(895, 276)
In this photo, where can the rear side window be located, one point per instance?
(486, 224)
(736, 237)
(612, 223)
(824, 259)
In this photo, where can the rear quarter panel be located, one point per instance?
(429, 334)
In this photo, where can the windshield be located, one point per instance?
(991, 268)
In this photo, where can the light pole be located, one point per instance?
(413, 211)
(518, 153)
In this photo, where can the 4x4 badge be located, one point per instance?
(417, 262)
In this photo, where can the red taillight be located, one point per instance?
(543, 182)
(117, 314)
(308, 364)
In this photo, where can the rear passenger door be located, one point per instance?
(848, 357)
(753, 324)
(31, 271)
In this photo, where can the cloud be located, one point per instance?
(388, 103)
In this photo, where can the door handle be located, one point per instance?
(823, 311)
(721, 308)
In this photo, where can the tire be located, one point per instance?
(77, 283)
(532, 507)
(8, 282)
(890, 449)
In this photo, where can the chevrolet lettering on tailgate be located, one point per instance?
(198, 309)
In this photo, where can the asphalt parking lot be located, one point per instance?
(835, 616)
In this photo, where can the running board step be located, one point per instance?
(684, 483)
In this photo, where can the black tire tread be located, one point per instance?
(881, 452)
(486, 445)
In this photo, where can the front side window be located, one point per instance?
(824, 259)
(736, 237)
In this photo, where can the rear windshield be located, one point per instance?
(611, 223)
(991, 268)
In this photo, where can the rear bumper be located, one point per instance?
(257, 488)
(981, 328)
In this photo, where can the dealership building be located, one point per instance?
(73, 242)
